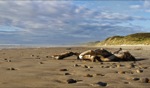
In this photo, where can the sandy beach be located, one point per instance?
(34, 68)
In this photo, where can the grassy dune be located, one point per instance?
(133, 39)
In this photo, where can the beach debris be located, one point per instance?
(88, 75)
(119, 65)
(130, 66)
(47, 56)
(121, 72)
(145, 80)
(144, 67)
(76, 65)
(11, 68)
(102, 66)
(126, 82)
(9, 61)
(139, 71)
(98, 74)
(85, 66)
(100, 55)
(135, 79)
(5, 59)
(41, 63)
(69, 81)
(32, 55)
(94, 55)
(102, 83)
(63, 55)
(67, 74)
(64, 69)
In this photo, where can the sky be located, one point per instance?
(60, 22)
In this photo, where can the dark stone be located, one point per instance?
(5, 59)
(8, 60)
(135, 79)
(63, 70)
(145, 80)
(47, 56)
(11, 68)
(102, 83)
(69, 81)
(85, 66)
(41, 63)
(98, 74)
(32, 55)
(131, 66)
(67, 74)
(89, 75)
(126, 82)
(75, 65)
(121, 72)
(139, 71)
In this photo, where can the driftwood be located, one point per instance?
(94, 55)
(63, 55)
(100, 55)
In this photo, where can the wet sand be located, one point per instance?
(34, 67)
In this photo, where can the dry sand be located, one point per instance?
(33, 67)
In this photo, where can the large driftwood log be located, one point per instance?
(101, 55)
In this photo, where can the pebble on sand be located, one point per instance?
(89, 75)
(145, 80)
(41, 63)
(85, 66)
(102, 83)
(69, 81)
(11, 68)
(75, 65)
(32, 55)
(130, 66)
(121, 72)
(47, 56)
(135, 79)
(139, 71)
(67, 74)
(98, 74)
(63, 69)
(126, 82)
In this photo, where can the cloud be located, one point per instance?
(145, 6)
(135, 6)
(59, 22)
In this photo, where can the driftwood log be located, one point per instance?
(100, 55)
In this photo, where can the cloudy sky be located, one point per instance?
(70, 21)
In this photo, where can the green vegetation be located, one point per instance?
(133, 39)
